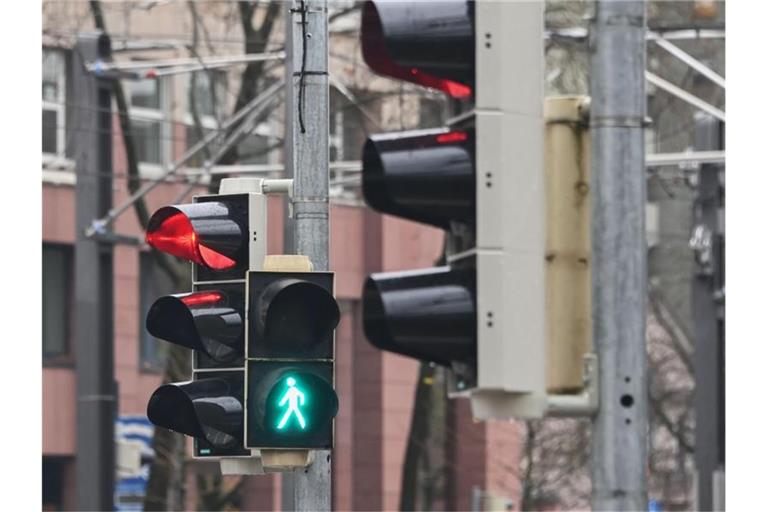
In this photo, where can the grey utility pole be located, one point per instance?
(306, 159)
(708, 308)
(93, 334)
(617, 87)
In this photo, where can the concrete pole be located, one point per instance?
(619, 430)
(306, 159)
(93, 333)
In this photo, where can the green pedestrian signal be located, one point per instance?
(290, 404)
(294, 400)
(290, 401)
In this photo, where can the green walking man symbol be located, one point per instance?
(295, 399)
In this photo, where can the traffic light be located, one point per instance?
(223, 236)
(480, 179)
(291, 400)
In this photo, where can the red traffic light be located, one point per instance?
(426, 43)
(204, 233)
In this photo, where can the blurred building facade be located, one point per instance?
(376, 389)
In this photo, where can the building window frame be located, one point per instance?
(58, 104)
(65, 356)
(161, 116)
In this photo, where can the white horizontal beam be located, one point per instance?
(692, 157)
(350, 166)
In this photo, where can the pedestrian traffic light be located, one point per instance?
(480, 179)
(223, 236)
(290, 397)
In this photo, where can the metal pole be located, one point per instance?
(619, 430)
(306, 160)
(96, 388)
(708, 243)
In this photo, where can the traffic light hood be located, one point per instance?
(425, 175)
(294, 311)
(201, 321)
(205, 233)
(209, 409)
(405, 41)
(426, 314)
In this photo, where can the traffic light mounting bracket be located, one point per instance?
(585, 403)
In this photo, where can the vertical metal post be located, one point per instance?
(619, 433)
(708, 301)
(306, 156)
(93, 333)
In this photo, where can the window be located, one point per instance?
(204, 101)
(346, 130)
(208, 109)
(54, 469)
(153, 284)
(148, 120)
(57, 299)
(54, 80)
(252, 149)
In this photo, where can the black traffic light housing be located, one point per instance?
(407, 41)
(290, 397)
(427, 176)
(209, 409)
(213, 234)
(209, 321)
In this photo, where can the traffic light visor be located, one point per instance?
(422, 175)
(296, 312)
(203, 321)
(426, 314)
(408, 41)
(208, 409)
(204, 233)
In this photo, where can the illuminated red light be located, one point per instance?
(445, 138)
(176, 235)
(378, 59)
(202, 298)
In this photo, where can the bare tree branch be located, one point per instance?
(680, 342)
